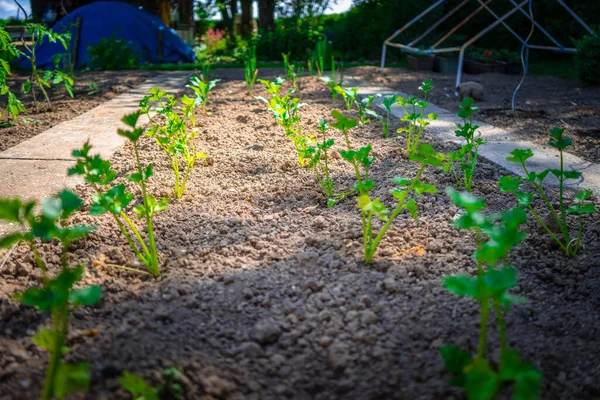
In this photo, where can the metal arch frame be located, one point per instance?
(410, 47)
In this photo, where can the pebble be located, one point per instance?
(266, 331)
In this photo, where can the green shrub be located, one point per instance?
(587, 60)
(113, 53)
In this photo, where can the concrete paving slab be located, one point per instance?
(500, 142)
(99, 125)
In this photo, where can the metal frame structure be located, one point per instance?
(483, 4)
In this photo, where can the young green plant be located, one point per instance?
(250, 71)
(318, 159)
(406, 194)
(388, 101)
(10, 52)
(201, 89)
(114, 198)
(466, 157)
(57, 294)
(173, 136)
(364, 106)
(495, 236)
(350, 95)
(332, 85)
(556, 223)
(286, 111)
(140, 390)
(416, 119)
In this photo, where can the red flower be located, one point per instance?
(487, 53)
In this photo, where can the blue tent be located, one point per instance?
(105, 19)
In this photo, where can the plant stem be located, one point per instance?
(153, 267)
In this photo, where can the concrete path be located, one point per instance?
(38, 167)
(500, 142)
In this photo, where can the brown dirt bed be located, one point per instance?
(63, 108)
(542, 103)
(263, 294)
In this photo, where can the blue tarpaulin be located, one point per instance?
(105, 19)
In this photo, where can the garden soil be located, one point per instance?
(263, 292)
(542, 103)
(63, 108)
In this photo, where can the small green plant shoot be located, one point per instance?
(173, 137)
(250, 71)
(318, 159)
(201, 89)
(13, 106)
(495, 236)
(57, 294)
(406, 194)
(140, 390)
(388, 101)
(364, 107)
(350, 96)
(466, 157)
(417, 121)
(332, 85)
(114, 199)
(286, 111)
(556, 223)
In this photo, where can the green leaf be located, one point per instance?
(481, 382)
(509, 184)
(86, 296)
(412, 208)
(10, 239)
(137, 386)
(133, 135)
(583, 195)
(131, 119)
(524, 198)
(70, 378)
(455, 359)
(560, 142)
(465, 200)
(510, 364)
(520, 155)
(44, 338)
(421, 188)
(342, 122)
(70, 202)
(462, 285)
(528, 383)
(10, 210)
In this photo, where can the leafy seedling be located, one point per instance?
(250, 71)
(495, 236)
(557, 217)
(414, 114)
(318, 159)
(332, 85)
(466, 157)
(201, 89)
(364, 106)
(407, 192)
(173, 136)
(388, 101)
(140, 390)
(350, 96)
(114, 198)
(57, 294)
(286, 111)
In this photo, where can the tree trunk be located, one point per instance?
(227, 20)
(266, 14)
(246, 28)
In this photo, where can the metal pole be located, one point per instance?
(383, 57)
(432, 27)
(415, 19)
(515, 34)
(537, 25)
(461, 60)
(464, 21)
(574, 15)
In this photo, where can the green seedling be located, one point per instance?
(298, 76)
(44, 79)
(417, 121)
(9, 50)
(318, 159)
(286, 65)
(495, 236)
(388, 101)
(344, 124)
(201, 89)
(57, 294)
(309, 64)
(350, 96)
(174, 137)
(114, 198)
(140, 390)
(286, 111)
(206, 65)
(250, 71)
(556, 223)
(406, 194)
(332, 85)
(466, 157)
(321, 50)
(364, 106)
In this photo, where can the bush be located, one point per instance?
(587, 59)
(112, 54)
(295, 38)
